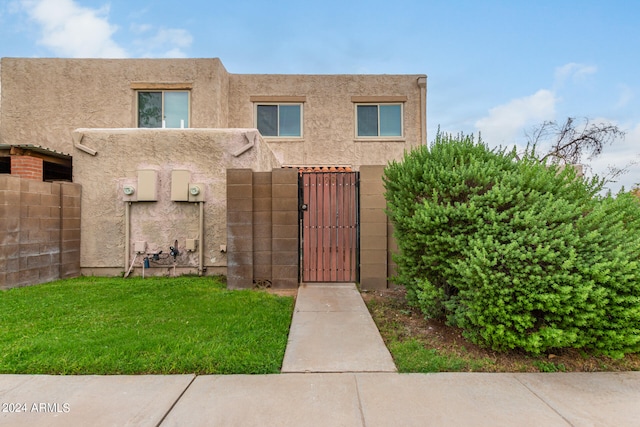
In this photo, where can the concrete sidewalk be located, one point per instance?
(339, 399)
(353, 384)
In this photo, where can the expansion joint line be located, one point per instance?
(542, 399)
(176, 401)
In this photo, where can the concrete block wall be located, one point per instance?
(262, 228)
(285, 228)
(70, 195)
(375, 232)
(239, 228)
(262, 231)
(40, 229)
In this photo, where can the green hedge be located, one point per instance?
(517, 253)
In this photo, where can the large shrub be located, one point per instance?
(517, 253)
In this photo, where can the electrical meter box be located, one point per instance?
(180, 185)
(147, 185)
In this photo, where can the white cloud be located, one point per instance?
(626, 95)
(574, 72)
(506, 122)
(166, 42)
(74, 31)
(140, 28)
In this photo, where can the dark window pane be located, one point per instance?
(268, 120)
(290, 120)
(5, 165)
(149, 109)
(390, 120)
(367, 120)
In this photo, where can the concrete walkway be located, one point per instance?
(353, 398)
(332, 331)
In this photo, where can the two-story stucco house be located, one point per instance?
(187, 168)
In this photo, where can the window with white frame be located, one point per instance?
(163, 108)
(379, 120)
(279, 120)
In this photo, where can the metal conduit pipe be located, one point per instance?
(127, 234)
(201, 242)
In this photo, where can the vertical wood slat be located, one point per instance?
(329, 227)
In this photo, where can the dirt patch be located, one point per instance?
(398, 321)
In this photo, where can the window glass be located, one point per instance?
(149, 109)
(279, 120)
(170, 106)
(268, 120)
(367, 120)
(390, 120)
(289, 120)
(176, 109)
(379, 120)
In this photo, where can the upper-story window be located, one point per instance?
(163, 108)
(379, 120)
(281, 120)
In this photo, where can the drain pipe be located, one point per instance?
(201, 242)
(127, 235)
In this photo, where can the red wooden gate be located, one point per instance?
(329, 226)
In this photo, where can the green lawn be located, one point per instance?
(92, 325)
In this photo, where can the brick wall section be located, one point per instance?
(374, 229)
(27, 167)
(35, 246)
(285, 229)
(262, 228)
(239, 228)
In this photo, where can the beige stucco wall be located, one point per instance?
(329, 115)
(120, 154)
(44, 100)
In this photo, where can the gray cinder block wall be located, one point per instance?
(285, 229)
(376, 235)
(262, 228)
(240, 228)
(40, 225)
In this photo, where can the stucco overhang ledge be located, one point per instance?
(277, 98)
(376, 141)
(159, 86)
(272, 139)
(384, 98)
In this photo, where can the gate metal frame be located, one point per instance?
(336, 229)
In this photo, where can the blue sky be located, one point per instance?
(495, 67)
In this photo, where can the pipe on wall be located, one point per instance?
(201, 242)
(127, 234)
(422, 83)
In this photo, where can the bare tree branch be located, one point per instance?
(572, 140)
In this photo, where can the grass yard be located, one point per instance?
(92, 325)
